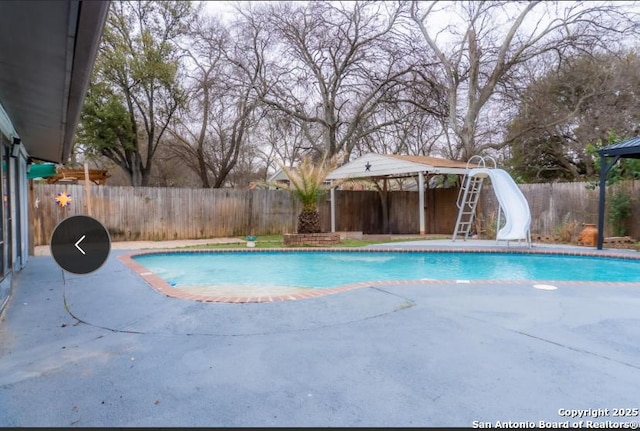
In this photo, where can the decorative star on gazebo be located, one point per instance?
(63, 199)
(367, 167)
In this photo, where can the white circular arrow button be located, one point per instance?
(78, 242)
(82, 234)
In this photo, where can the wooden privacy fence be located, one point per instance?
(156, 214)
(555, 205)
(151, 213)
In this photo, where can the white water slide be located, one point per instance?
(512, 202)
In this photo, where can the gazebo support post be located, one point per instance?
(333, 207)
(604, 170)
(421, 201)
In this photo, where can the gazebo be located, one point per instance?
(626, 149)
(395, 166)
(97, 176)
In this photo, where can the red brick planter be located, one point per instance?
(323, 239)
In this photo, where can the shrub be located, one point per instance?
(566, 231)
(619, 211)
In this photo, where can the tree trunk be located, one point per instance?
(309, 221)
(138, 174)
(202, 168)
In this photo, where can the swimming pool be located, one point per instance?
(326, 269)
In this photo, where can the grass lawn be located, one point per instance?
(276, 241)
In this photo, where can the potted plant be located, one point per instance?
(588, 235)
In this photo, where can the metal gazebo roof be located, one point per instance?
(630, 149)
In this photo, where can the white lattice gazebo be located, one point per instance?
(390, 166)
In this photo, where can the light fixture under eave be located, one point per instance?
(6, 127)
(15, 148)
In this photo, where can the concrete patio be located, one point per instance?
(106, 349)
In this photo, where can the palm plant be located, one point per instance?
(307, 182)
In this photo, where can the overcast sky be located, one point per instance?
(218, 8)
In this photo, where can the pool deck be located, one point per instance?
(106, 349)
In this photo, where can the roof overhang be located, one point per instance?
(396, 166)
(47, 52)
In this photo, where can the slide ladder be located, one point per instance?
(512, 204)
(468, 199)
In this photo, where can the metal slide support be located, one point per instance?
(468, 198)
(466, 215)
(461, 204)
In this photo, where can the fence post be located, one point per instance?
(87, 188)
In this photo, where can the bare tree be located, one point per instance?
(212, 132)
(332, 66)
(482, 51)
(283, 140)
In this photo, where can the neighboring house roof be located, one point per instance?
(47, 52)
(393, 165)
(278, 175)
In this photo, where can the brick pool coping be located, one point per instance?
(271, 295)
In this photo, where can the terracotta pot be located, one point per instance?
(589, 235)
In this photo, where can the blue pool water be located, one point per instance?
(329, 269)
